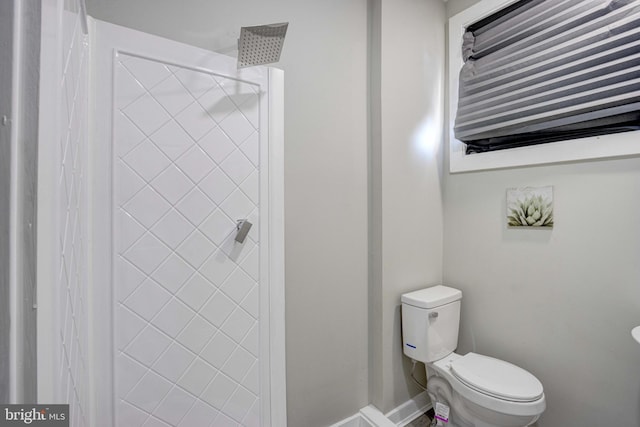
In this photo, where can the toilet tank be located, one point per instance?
(430, 322)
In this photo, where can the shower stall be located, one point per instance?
(154, 155)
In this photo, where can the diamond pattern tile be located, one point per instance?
(195, 164)
(237, 325)
(250, 187)
(147, 206)
(197, 377)
(172, 140)
(218, 227)
(129, 277)
(148, 73)
(218, 350)
(196, 291)
(217, 145)
(186, 146)
(237, 127)
(133, 372)
(147, 114)
(147, 346)
(239, 404)
(195, 120)
(251, 148)
(237, 167)
(251, 340)
(195, 206)
(196, 248)
(171, 95)
(196, 334)
(195, 82)
(129, 181)
(127, 134)
(149, 392)
(173, 273)
(130, 325)
(172, 183)
(201, 414)
(132, 230)
(175, 406)
(147, 160)
(237, 205)
(173, 317)
(174, 362)
(148, 299)
(217, 309)
(129, 89)
(173, 228)
(217, 104)
(147, 253)
(238, 364)
(238, 285)
(219, 391)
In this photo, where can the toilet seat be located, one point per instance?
(496, 378)
(490, 399)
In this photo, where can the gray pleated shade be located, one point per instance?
(549, 68)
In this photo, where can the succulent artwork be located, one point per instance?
(530, 207)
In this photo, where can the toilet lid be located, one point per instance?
(497, 378)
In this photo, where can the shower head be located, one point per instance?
(261, 44)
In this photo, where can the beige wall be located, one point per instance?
(325, 63)
(560, 303)
(406, 179)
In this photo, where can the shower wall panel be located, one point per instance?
(73, 221)
(186, 295)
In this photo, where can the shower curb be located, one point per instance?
(370, 416)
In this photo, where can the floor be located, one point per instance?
(423, 421)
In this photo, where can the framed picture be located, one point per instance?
(530, 207)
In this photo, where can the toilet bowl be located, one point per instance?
(485, 392)
(480, 391)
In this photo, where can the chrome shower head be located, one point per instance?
(261, 44)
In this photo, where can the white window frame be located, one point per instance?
(596, 147)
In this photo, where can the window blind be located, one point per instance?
(547, 70)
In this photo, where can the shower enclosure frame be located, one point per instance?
(273, 399)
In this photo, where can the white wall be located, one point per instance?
(560, 303)
(406, 179)
(325, 63)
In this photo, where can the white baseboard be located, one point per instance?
(370, 416)
(409, 410)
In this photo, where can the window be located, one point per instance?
(537, 71)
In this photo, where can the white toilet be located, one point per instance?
(480, 391)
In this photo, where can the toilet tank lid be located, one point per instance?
(432, 297)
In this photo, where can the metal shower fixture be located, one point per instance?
(261, 44)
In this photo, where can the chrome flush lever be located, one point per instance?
(243, 228)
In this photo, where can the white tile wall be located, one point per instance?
(186, 170)
(72, 283)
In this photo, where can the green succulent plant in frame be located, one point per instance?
(530, 208)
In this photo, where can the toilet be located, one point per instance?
(477, 390)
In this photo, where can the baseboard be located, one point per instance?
(370, 416)
(409, 410)
(374, 417)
